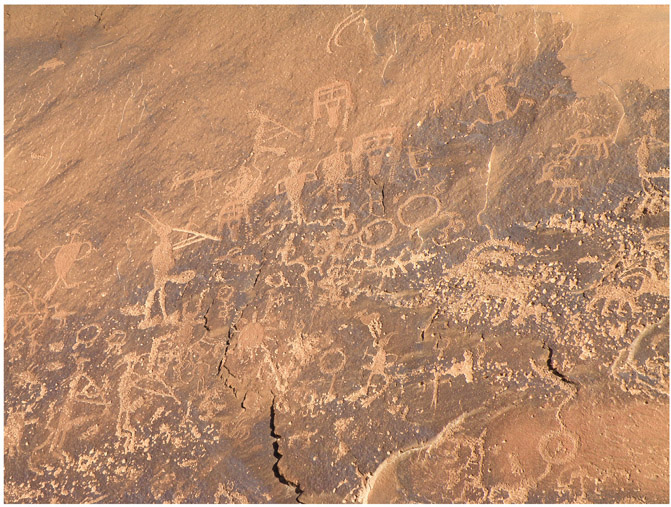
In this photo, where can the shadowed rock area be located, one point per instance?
(336, 254)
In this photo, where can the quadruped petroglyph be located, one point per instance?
(376, 254)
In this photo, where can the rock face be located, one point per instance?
(369, 254)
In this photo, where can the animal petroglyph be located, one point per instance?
(559, 174)
(374, 148)
(66, 256)
(333, 101)
(13, 210)
(418, 168)
(582, 139)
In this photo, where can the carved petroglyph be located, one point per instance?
(293, 187)
(582, 139)
(195, 178)
(269, 131)
(377, 234)
(333, 101)
(418, 168)
(75, 411)
(560, 175)
(334, 40)
(66, 256)
(163, 263)
(86, 336)
(454, 224)
(334, 168)
(239, 197)
(331, 363)
(372, 149)
(417, 210)
(497, 101)
(13, 209)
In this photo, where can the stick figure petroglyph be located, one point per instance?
(82, 389)
(65, 258)
(497, 101)
(377, 368)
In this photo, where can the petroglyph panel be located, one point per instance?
(336, 254)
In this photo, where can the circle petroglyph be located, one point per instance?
(87, 335)
(333, 361)
(558, 447)
(418, 209)
(378, 234)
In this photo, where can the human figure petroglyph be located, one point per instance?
(374, 148)
(163, 263)
(378, 367)
(239, 197)
(582, 139)
(82, 389)
(334, 168)
(66, 256)
(497, 101)
(293, 187)
(424, 29)
(133, 389)
(204, 175)
(335, 101)
(559, 174)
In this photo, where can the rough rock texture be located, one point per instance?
(382, 254)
